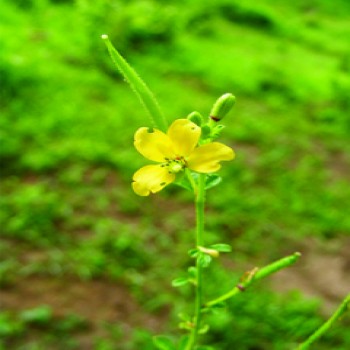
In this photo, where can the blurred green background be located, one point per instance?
(87, 264)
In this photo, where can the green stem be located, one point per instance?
(261, 273)
(320, 331)
(138, 86)
(199, 200)
(191, 180)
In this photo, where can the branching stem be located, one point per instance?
(320, 331)
(259, 274)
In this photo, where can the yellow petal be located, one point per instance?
(207, 158)
(184, 135)
(153, 145)
(151, 178)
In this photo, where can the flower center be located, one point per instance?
(175, 165)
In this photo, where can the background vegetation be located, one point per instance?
(86, 264)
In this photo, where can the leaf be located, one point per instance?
(184, 183)
(163, 342)
(178, 282)
(204, 260)
(183, 342)
(204, 329)
(186, 325)
(217, 131)
(193, 253)
(185, 317)
(212, 180)
(192, 272)
(221, 247)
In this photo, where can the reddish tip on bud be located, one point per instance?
(222, 106)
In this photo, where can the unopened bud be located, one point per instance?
(206, 131)
(195, 117)
(222, 106)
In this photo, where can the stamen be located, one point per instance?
(175, 165)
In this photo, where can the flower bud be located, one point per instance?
(222, 106)
(206, 131)
(195, 117)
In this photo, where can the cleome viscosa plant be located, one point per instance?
(187, 154)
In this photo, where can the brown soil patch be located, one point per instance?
(97, 301)
(323, 272)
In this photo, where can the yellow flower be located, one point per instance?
(175, 151)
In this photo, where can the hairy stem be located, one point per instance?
(199, 201)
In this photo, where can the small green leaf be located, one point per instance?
(183, 342)
(212, 180)
(178, 282)
(184, 183)
(163, 342)
(216, 131)
(221, 247)
(204, 260)
(185, 317)
(192, 272)
(204, 329)
(193, 253)
(185, 325)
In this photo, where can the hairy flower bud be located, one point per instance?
(195, 117)
(222, 106)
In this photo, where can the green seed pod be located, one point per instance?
(222, 106)
(195, 117)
